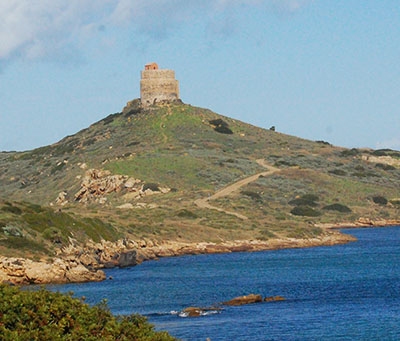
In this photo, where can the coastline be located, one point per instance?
(360, 223)
(75, 264)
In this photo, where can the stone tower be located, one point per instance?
(158, 85)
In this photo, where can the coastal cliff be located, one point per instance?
(84, 264)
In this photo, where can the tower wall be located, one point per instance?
(158, 85)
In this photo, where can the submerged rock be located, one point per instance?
(196, 311)
(274, 298)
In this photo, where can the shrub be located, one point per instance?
(187, 214)
(221, 126)
(386, 152)
(109, 118)
(23, 244)
(133, 143)
(151, 186)
(337, 207)
(218, 122)
(10, 230)
(285, 163)
(11, 209)
(253, 195)
(340, 172)
(57, 167)
(305, 211)
(311, 197)
(380, 200)
(305, 200)
(323, 142)
(385, 166)
(350, 152)
(223, 130)
(43, 315)
(395, 202)
(88, 142)
(302, 202)
(381, 152)
(363, 174)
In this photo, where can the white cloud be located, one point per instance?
(35, 29)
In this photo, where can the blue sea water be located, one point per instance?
(345, 292)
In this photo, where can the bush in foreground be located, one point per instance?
(44, 315)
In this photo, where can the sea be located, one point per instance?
(343, 292)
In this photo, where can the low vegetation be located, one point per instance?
(305, 211)
(194, 152)
(338, 208)
(29, 229)
(44, 315)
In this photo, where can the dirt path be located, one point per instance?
(204, 203)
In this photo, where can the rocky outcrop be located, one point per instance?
(241, 300)
(24, 271)
(237, 301)
(62, 198)
(197, 311)
(77, 263)
(97, 184)
(252, 298)
(274, 299)
(388, 160)
(361, 222)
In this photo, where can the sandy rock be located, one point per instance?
(163, 251)
(274, 299)
(62, 198)
(365, 221)
(79, 273)
(89, 260)
(126, 206)
(128, 258)
(25, 271)
(197, 311)
(241, 300)
(192, 311)
(97, 183)
(131, 182)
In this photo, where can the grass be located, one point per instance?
(40, 229)
(176, 146)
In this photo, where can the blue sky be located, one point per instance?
(317, 69)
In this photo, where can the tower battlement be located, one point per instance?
(157, 85)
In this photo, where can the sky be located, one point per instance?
(317, 69)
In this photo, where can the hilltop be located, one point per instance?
(177, 173)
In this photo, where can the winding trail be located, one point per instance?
(204, 203)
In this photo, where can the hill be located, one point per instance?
(174, 172)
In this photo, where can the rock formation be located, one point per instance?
(80, 263)
(97, 184)
(241, 300)
(24, 271)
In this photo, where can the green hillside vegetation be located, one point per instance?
(43, 315)
(193, 152)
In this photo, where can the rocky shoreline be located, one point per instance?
(75, 263)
